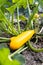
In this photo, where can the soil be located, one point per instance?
(32, 58)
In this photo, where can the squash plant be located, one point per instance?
(7, 27)
(5, 52)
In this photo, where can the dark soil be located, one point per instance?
(33, 58)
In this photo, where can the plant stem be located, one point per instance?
(4, 27)
(41, 30)
(12, 18)
(18, 19)
(23, 49)
(36, 40)
(8, 23)
(34, 49)
(2, 39)
(32, 24)
(16, 51)
(39, 34)
(29, 12)
(12, 22)
(10, 27)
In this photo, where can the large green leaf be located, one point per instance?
(40, 2)
(20, 58)
(19, 3)
(2, 2)
(23, 18)
(31, 1)
(12, 9)
(1, 16)
(4, 60)
(24, 3)
(15, 1)
(3, 9)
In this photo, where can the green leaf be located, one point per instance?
(31, 1)
(14, 1)
(2, 2)
(40, 2)
(12, 9)
(4, 60)
(22, 17)
(24, 3)
(17, 3)
(8, 3)
(1, 15)
(3, 9)
(20, 58)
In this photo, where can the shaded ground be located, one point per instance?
(33, 58)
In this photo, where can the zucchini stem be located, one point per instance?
(34, 49)
(18, 51)
(18, 19)
(2, 39)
